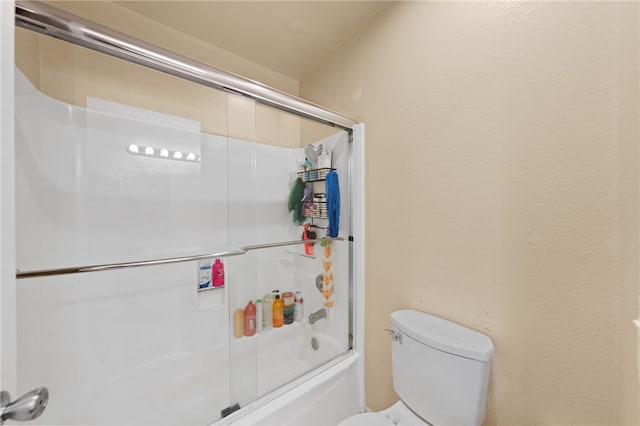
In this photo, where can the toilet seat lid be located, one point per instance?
(367, 419)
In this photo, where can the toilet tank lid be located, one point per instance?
(443, 335)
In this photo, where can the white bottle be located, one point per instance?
(259, 312)
(298, 313)
(324, 159)
(267, 312)
(204, 268)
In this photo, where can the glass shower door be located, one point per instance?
(265, 168)
(118, 163)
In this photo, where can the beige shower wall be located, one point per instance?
(71, 74)
(502, 192)
(629, 214)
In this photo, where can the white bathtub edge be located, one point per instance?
(266, 409)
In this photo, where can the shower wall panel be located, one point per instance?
(144, 339)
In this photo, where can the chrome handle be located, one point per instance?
(28, 407)
(395, 336)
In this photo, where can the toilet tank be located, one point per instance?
(440, 369)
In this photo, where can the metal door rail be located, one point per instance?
(123, 265)
(46, 19)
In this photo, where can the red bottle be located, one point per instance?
(250, 319)
(217, 273)
(308, 234)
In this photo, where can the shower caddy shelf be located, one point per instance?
(314, 175)
(318, 209)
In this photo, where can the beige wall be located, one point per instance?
(628, 58)
(502, 192)
(502, 183)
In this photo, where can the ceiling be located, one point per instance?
(290, 37)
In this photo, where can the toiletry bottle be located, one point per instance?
(324, 159)
(308, 234)
(307, 166)
(259, 312)
(250, 319)
(299, 310)
(204, 268)
(278, 311)
(289, 306)
(238, 323)
(267, 311)
(218, 273)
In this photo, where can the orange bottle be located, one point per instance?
(238, 323)
(250, 319)
(278, 311)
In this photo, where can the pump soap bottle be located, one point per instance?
(278, 311)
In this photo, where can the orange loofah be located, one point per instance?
(327, 265)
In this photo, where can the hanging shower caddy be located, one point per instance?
(318, 208)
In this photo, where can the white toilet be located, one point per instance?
(440, 371)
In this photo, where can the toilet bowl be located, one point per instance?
(440, 372)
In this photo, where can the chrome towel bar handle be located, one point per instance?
(122, 265)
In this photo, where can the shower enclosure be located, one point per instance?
(135, 171)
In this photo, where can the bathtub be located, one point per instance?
(284, 354)
(305, 400)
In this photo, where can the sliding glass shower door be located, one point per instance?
(118, 164)
(274, 198)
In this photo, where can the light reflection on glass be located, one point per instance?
(164, 153)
